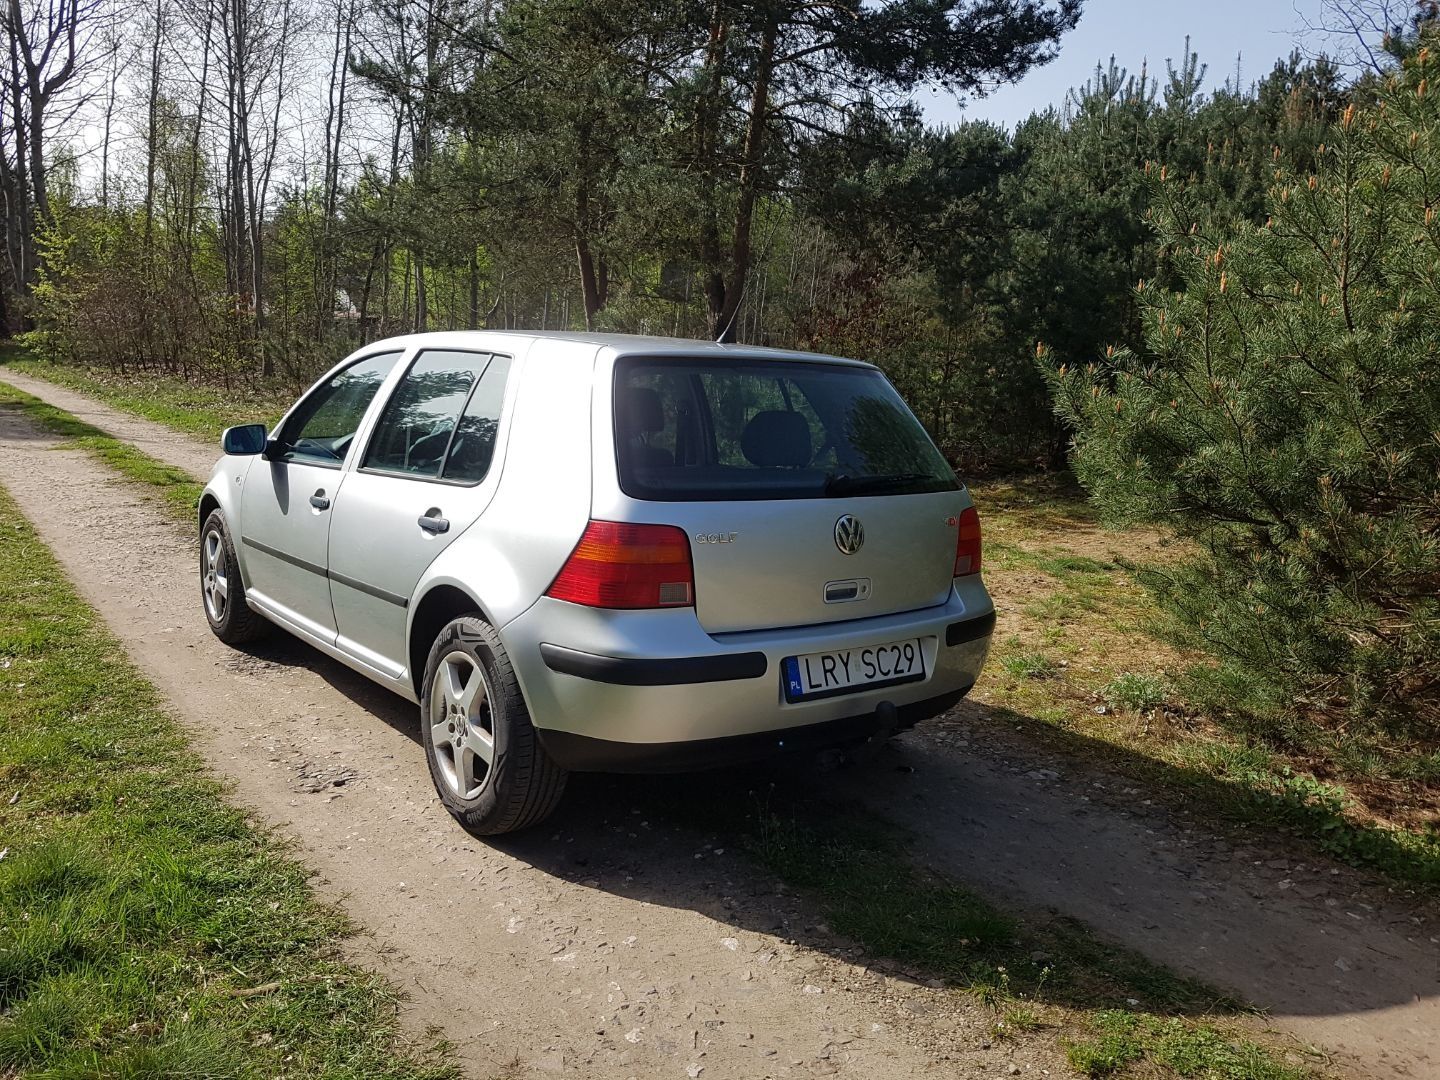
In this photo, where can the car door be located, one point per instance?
(424, 478)
(290, 493)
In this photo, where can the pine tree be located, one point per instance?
(1285, 416)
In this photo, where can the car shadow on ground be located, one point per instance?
(283, 650)
(688, 842)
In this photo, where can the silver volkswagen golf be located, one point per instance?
(595, 552)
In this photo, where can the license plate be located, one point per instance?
(848, 671)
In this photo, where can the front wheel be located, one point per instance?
(221, 590)
(485, 759)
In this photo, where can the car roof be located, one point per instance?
(657, 348)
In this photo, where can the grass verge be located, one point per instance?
(173, 487)
(146, 927)
(1120, 1042)
(1052, 977)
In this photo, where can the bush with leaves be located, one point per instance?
(1285, 416)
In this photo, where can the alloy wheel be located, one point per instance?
(216, 584)
(462, 730)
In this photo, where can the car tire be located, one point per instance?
(485, 758)
(222, 593)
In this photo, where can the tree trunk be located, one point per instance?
(39, 180)
(474, 322)
(23, 214)
(328, 275)
(592, 276)
(105, 138)
(190, 209)
(592, 288)
(723, 320)
(151, 136)
(707, 135)
(44, 53)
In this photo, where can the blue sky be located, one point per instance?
(1133, 31)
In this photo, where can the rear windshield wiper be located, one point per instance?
(841, 484)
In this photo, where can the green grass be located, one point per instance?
(1121, 1040)
(1018, 1019)
(1137, 691)
(173, 487)
(201, 409)
(1258, 787)
(1034, 974)
(137, 908)
(1029, 665)
(1081, 586)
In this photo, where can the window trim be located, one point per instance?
(285, 421)
(400, 474)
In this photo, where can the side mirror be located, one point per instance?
(242, 440)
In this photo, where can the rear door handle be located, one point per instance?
(432, 522)
(319, 501)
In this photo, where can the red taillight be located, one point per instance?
(616, 565)
(967, 543)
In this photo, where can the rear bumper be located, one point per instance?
(640, 690)
(581, 753)
(719, 667)
(653, 671)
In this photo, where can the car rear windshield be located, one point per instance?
(731, 430)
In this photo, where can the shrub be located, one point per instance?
(1285, 415)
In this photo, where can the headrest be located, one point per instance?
(641, 411)
(776, 438)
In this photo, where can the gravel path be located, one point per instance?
(195, 456)
(599, 923)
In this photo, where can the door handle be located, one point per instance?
(432, 522)
(319, 501)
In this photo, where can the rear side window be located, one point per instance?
(474, 444)
(440, 422)
(727, 430)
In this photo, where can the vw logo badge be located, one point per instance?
(849, 534)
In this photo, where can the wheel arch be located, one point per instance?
(440, 603)
(209, 503)
(220, 494)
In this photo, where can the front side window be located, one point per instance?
(323, 427)
(427, 429)
(702, 429)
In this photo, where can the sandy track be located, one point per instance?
(1337, 960)
(603, 944)
(193, 455)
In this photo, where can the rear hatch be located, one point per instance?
(809, 492)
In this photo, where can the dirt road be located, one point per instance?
(194, 456)
(621, 946)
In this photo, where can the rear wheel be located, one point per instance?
(221, 590)
(485, 759)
